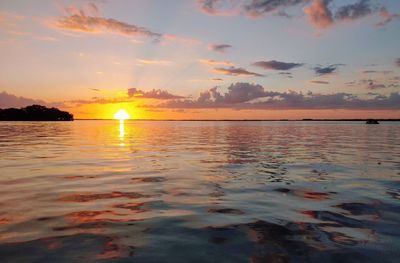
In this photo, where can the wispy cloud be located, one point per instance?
(252, 8)
(233, 71)
(319, 82)
(320, 71)
(262, 7)
(152, 94)
(209, 6)
(153, 62)
(213, 62)
(219, 7)
(79, 20)
(387, 17)
(8, 100)
(221, 48)
(286, 74)
(354, 11)
(372, 84)
(10, 23)
(173, 39)
(276, 65)
(377, 72)
(321, 14)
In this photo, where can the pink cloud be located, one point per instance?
(213, 62)
(319, 15)
(386, 16)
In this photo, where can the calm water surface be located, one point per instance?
(98, 191)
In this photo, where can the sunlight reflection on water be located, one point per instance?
(121, 129)
(199, 191)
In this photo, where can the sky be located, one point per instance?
(203, 59)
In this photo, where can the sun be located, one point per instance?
(121, 115)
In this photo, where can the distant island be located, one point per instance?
(35, 113)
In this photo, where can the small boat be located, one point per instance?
(371, 121)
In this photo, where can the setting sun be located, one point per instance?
(121, 115)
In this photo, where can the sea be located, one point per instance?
(199, 191)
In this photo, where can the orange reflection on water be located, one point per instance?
(93, 216)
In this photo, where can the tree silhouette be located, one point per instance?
(35, 113)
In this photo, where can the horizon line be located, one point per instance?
(305, 119)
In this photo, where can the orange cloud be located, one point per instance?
(319, 15)
(91, 24)
(213, 62)
(153, 62)
(88, 20)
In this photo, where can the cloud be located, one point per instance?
(276, 65)
(133, 94)
(319, 15)
(218, 7)
(98, 100)
(261, 7)
(236, 72)
(286, 74)
(153, 62)
(173, 39)
(350, 83)
(221, 48)
(79, 20)
(87, 8)
(209, 6)
(93, 8)
(387, 17)
(319, 82)
(398, 62)
(253, 96)
(372, 85)
(326, 70)
(377, 71)
(213, 62)
(354, 11)
(152, 94)
(8, 100)
(237, 93)
(252, 8)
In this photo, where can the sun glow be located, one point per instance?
(121, 115)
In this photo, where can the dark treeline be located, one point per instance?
(35, 113)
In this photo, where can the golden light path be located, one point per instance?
(121, 115)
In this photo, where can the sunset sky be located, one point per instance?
(203, 59)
